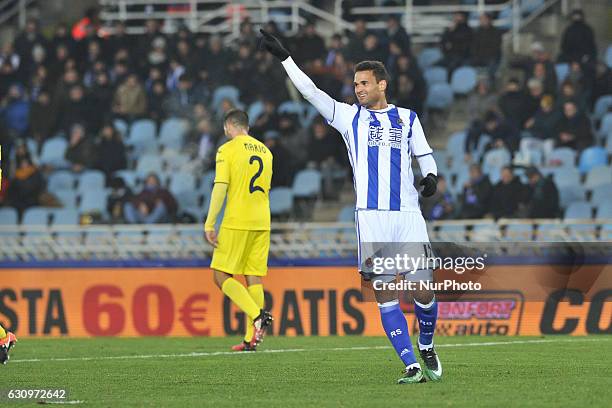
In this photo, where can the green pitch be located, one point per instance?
(325, 371)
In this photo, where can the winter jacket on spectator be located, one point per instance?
(507, 195)
(542, 196)
(574, 128)
(42, 118)
(578, 41)
(514, 105)
(81, 150)
(543, 124)
(130, 98)
(26, 186)
(110, 151)
(15, 110)
(476, 194)
(486, 44)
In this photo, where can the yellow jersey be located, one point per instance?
(245, 165)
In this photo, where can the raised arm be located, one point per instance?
(319, 99)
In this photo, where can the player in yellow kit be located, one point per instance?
(243, 173)
(7, 341)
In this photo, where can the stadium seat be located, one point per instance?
(307, 183)
(429, 57)
(598, 176)
(281, 201)
(529, 6)
(91, 180)
(570, 193)
(601, 194)
(172, 133)
(225, 92)
(494, 160)
(292, 107)
(606, 232)
(605, 128)
(463, 80)
(93, 201)
(187, 198)
(206, 182)
(182, 182)
(434, 75)
(347, 214)
(129, 177)
(561, 156)
(68, 198)
(566, 176)
(582, 232)
(129, 237)
(562, 71)
(550, 232)
(8, 216)
(439, 96)
(452, 233)
(592, 157)
(142, 136)
(254, 111)
(518, 232)
(65, 216)
(505, 18)
(578, 209)
(61, 180)
(485, 232)
(174, 160)
(456, 144)
(604, 210)
(53, 151)
(36, 216)
(121, 126)
(602, 106)
(149, 163)
(609, 56)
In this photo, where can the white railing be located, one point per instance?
(288, 240)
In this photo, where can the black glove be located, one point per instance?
(430, 184)
(274, 46)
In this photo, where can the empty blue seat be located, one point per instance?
(569, 193)
(65, 216)
(604, 210)
(602, 106)
(456, 144)
(578, 209)
(601, 194)
(187, 198)
(598, 176)
(254, 111)
(182, 182)
(562, 71)
(496, 159)
(281, 200)
(225, 92)
(36, 216)
(307, 183)
(439, 96)
(147, 164)
(434, 75)
(142, 136)
(566, 176)
(68, 198)
(429, 56)
(172, 133)
(347, 214)
(292, 107)
(93, 201)
(609, 56)
(463, 80)
(206, 183)
(61, 180)
(605, 128)
(121, 126)
(91, 180)
(8, 216)
(529, 6)
(592, 157)
(53, 151)
(561, 156)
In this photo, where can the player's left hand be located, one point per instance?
(274, 46)
(430, 185)
(211, 237)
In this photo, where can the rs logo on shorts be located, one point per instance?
(395, 332)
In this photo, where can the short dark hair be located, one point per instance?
(377, 67)
(237, 118)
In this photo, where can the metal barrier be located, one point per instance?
(288, 240)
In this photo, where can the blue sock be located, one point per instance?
(395, 326)
(427, 316)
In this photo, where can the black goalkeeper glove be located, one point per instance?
(274, 46)
(430, 184)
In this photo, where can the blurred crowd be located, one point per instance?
(78, 81)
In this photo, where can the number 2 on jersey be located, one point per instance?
(252, 187)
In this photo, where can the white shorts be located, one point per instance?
(388, 234)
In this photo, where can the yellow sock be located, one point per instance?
(257, 294)
(240, 296)
(2, 332)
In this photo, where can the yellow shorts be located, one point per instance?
(241, 252)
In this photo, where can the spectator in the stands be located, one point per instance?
(77, 109)
(268, 120)
(476, 194)
(119, 196)
(602, 82)
(372, 49)
(61, 36)
(481, 101)
(569, 94)
(354, 49)
(544, 123)
(179, 102)
(154, 204)
(27, 184)
(157, 98)
(456, 42)
(206, 143)
(514, 104)
(283, 163)
(130, 100)
(542, 196)
(538, 65)
(7, 53)
(308, 45)
(325, 153)
(100, 99)
(120, 39)
(335, 48)
(441, 205)
(410, 94)
(42, 117)
(578, 40)
(395, 33)
(574, 128)
(486, 45)
(81, 150)
(14, 111)
(507, 195)
(535, 92)
(175, 70)
(27, 40)
(503, 132)
(110, 151)
(216, 62)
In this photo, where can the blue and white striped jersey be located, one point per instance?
(380, 147)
